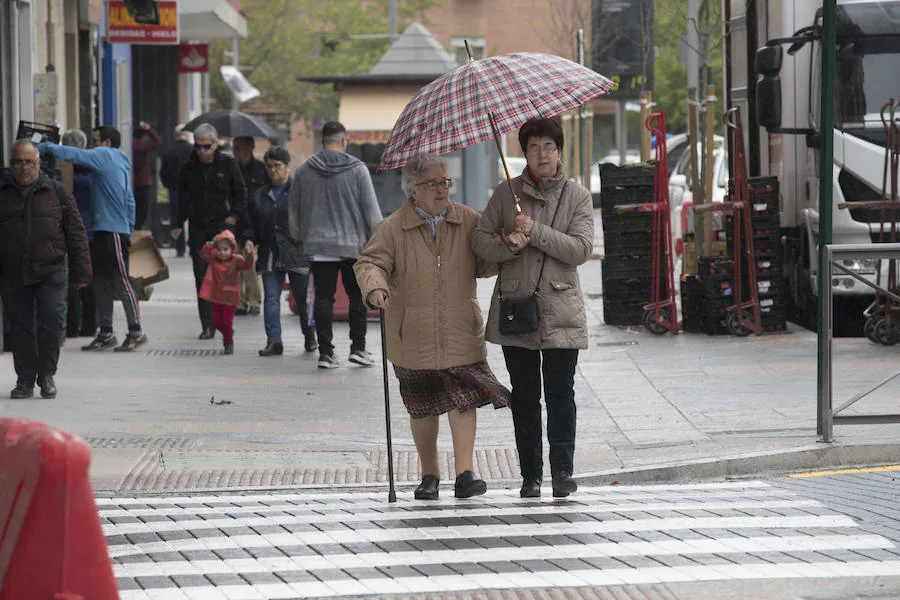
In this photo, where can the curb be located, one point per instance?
(754, 464)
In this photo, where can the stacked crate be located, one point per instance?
(628, 243)
(717, 277)
(766, 249)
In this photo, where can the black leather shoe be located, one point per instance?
(428, 489)
(22, 391)
(48, 386)
(207, 334)
(531, 488)
(240, 311)
(228, 348)
(253, 310)
(563, 484)
(310, 345)
(272, 350)
(468, 484)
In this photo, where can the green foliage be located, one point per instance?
(670, 76)
(291, 38)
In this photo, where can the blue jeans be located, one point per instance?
(273, 283)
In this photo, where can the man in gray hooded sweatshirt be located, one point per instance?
(333, 213)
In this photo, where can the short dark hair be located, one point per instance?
(536, 128)
(278, 153)
(249, 139)
(332, 132)
(108, 132)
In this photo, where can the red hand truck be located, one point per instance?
(661, 315)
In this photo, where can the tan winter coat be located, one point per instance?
(433, 320)
(563, 247)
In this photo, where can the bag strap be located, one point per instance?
(543, 260)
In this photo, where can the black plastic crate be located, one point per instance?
(28, 130)
(764, 206)
(766, 184)
(626, 222)
(639, 174)
(627, 266)
(715, 265)
(692, 323)
(714, 325)
(623, 313)
(764, 221)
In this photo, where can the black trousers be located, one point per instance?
(35, 315)
(141, 205)
(558, 370)
(204, 307)
(325, 276)
(109, 256)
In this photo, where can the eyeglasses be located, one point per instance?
(432, 185)
(203, 146)
(546, 149)
(275, 166)
(22, 163)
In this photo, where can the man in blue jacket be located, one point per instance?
(112, 219)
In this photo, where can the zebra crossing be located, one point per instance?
(300, 545)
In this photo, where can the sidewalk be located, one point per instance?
(650, 408)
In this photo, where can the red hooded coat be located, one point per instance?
(222, 284)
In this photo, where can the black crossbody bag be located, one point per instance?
(523, 316)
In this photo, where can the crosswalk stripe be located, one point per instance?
(722, 546)
(274, 514)
(541, 579)
(348, 536)
(335, 497)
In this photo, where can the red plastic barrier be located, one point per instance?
(52, 545)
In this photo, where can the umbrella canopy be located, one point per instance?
(232, 123)
(457, 110)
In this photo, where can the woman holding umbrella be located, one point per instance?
(420, 268)
(537, 311)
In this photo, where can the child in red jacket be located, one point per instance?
(222, 285)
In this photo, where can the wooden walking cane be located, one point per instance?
(392, 494)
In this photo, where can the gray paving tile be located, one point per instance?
(294, 576)
(260, 578)
(126, 584)
(155, 582)
(227, 553)
(132, 558)
(178, 534)
(503, 566)
(165, 556)
(142, 537)
(184, 581)
(434, 570)
(398, 571)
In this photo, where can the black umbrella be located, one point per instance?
(232, 123)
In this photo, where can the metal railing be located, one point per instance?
(834, 253)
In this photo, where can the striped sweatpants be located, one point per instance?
(109, 255)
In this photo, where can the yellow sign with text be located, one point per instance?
(159, 27)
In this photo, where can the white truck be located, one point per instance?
(785, 98)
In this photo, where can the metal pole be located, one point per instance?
(583, 170)
(235, 61)
(393, 18)
(205, 91)
(826, 416)
(621, 131)
(826, 180)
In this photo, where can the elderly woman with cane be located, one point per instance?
(419, 268)
(537, 311)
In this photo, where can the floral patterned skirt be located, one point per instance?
(433, 392)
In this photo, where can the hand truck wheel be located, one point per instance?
(887, 334)
(734, 325)
(869, 328)
(654, 326)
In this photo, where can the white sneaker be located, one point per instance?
(328, 361)
(362, 358)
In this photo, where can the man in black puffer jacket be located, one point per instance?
(39, 225)
(212, 197)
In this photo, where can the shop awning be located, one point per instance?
(208, 20)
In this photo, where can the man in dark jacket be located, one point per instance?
(145, 141)
(39, 225)
(212, 197)
(278, 254)
(172, 162)
(255, 176)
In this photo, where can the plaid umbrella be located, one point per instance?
(486, 98)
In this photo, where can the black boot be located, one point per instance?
(468, 484)
(274, 349)
(228, 348)
(563, 484)
(428, 489)
(208, 333)
(48, 386)
(531, 488)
